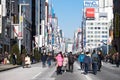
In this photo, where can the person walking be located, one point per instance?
(14, 58)
(100, 58)
(43, 59)
(80, 60)
(65, 62)
(117, 59)
(71, 60)
(95, 59)
(23, 59)
(87, 62)
(49, 58)
(59, 60)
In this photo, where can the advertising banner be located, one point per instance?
(16, 30)
(91, 3)
(38, 41)
(90, 13)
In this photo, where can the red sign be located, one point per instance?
(90, 12)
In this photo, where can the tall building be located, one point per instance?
(116, 25)
(97, 21)
(40, 22)
(26, 11)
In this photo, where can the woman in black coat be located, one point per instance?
(100, 56)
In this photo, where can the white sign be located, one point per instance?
(91, 4)
(16, 30)
(4, 9)
(38, 41)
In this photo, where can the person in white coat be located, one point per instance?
(65, 62)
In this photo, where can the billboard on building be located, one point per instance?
(91, 3)
(16, 30)
(90, 13)
(38, 41)
(0, 18)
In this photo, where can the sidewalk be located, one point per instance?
(111, 66)
(4, 67)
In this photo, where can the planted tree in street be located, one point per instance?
(15, 49)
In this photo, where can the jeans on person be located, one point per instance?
(86, 67)
(94, 68)
(81, 65)
(59, 70)
(71, 67)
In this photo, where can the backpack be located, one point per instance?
(95, 59)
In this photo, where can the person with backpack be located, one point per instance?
(95, 60)
(70, 61)
(80, 60)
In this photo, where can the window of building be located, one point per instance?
(91, 27)
(91, 36)
(91, 23)
(103, 32)
(98, 27)
(99, 45)
(98, 23)
(95, 27)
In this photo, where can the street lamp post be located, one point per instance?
(38, 23)
(20, 34)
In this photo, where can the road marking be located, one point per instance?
(88, 78)
(36, 75)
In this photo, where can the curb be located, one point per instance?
(9, 68)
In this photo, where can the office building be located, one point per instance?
(97, 19)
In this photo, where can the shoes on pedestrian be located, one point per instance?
(99, 70)
(85, 73)
(94, 73)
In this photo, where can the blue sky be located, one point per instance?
(69, 13)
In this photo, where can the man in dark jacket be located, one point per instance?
(43, 59)
(100, 58)
(71, 61)
(95, 60)
(87, 62)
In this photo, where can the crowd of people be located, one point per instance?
(89, 62)
(64, 62)
(93, 61)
